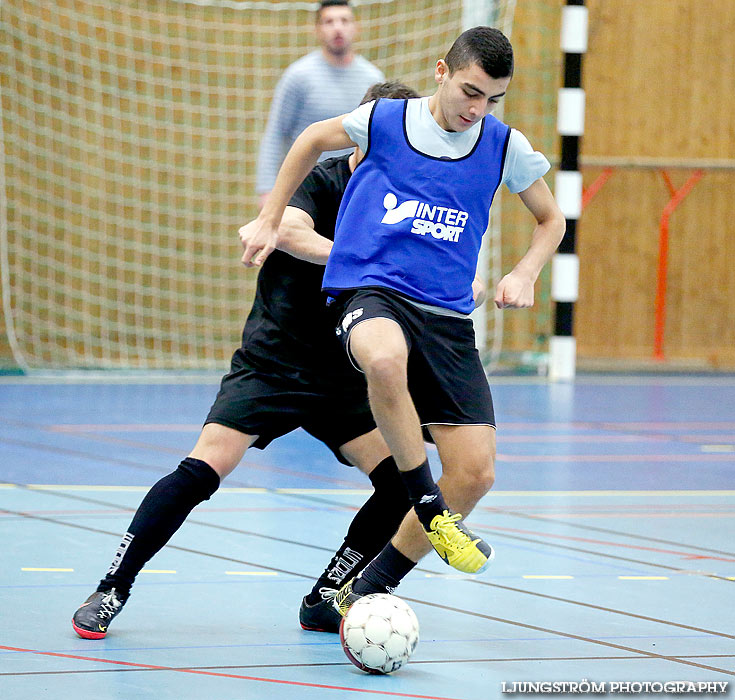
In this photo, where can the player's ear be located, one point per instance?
(441, 72)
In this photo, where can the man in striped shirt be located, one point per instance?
(323, 84)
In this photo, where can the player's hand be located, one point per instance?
(479, 291)
(514, 291)
(259, 239)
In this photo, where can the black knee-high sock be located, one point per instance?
(159, 516)
(424, 494)
(371, 528)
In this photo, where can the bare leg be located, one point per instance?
(467, 453)
(221, 447)
(380, 349)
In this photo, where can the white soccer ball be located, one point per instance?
(379, 633)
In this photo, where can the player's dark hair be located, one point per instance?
(391, 89)
(487, 47)
(330, 3)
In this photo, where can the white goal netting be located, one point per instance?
(130, 132)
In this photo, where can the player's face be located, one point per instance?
(465, 97)
(336, 30)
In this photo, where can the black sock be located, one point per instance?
(159, 516)
(384, 573)
(371, 528)
(424, 494)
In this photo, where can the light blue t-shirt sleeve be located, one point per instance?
(523, 165)
(356, 124)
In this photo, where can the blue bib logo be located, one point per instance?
(442, 223)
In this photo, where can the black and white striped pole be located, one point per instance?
(568, 191)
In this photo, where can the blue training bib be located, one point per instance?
(414, 223)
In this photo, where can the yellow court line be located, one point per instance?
(361, 492)
(157, 571)
(543, 576)
(41, 568)
(643, 578)
(251, 573)
(82, 487)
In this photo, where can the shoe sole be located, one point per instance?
(88, 634)
(317, 629)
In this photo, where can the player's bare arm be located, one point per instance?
(297, 237)
(515, 290)
(260, 237)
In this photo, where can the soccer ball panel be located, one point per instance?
(374, 656)
(403, 622)
(355, 639)
(396, 645)
(377, 629)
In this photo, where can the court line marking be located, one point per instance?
(97, 458)
(326, 549)
(489, 617)
(459, 576)
(601, 608)
(158, 571)
(361, 491)
(696, 377)
(604, 555)
(643, 578)
(623, 545)
(497, 532)
(524, 659)
(203, 672)
(570, 635)
(617, 458)
(546, 596)
(608, 531)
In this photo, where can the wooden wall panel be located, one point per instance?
(659, 79)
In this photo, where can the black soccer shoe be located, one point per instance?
(96, 613)
(320, 617)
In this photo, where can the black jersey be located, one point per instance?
(290, 332)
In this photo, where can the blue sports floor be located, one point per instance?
(612, 517)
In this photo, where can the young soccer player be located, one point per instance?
(289, 372)
(405, 253)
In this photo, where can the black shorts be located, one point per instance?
(446, 379)
(263, 404)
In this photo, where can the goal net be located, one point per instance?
(130, 132)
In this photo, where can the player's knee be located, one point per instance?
(386, 373)
(478, 477)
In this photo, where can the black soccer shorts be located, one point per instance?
(446, 378)
(261, 403)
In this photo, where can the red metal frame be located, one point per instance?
(676, 198)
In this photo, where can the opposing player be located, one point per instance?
(405, 252)
(290, 372)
